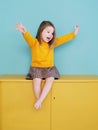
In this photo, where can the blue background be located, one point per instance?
(79, 56)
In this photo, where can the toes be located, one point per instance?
(37, 105)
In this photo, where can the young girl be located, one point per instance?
(42, 51)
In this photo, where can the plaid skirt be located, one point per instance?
(42, 73)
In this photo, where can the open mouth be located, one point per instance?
(48, 38)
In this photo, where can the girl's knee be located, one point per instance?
(50, 79)
(37, 79)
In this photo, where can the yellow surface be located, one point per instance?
(72, 104)
(17, 111)
(63, 78)
(75, 106)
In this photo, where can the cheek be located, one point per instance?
(42, 35)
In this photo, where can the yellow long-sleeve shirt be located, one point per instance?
(43, 55)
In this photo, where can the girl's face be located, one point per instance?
(47, 34)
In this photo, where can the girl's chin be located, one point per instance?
(46, 40)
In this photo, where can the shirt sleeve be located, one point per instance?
(29, 39)
(63, 39)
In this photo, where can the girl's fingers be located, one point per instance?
(77, 26)
(19, 26)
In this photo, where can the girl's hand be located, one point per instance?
(76, 28)
(21, 28)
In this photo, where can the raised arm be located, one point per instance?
(67, 37)
(27, 36)
(21, 28)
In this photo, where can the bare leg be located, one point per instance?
(45, 91)
(37, 87)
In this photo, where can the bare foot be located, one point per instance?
(37, 105)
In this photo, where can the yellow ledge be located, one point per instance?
(63, 78)
(72, 104)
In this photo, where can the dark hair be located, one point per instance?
(42, 26)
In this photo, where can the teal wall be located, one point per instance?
(79, 56)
